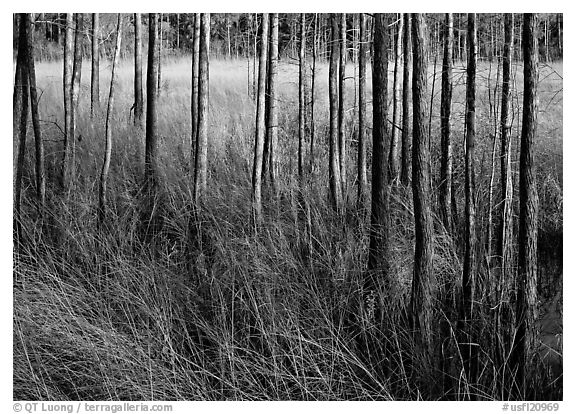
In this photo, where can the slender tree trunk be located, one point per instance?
(195, 71)
(21, 88)
(393, 161)
(272, 110)
(406, 152)
(301, 100)
(422, 283)
(362, 176)
(177, 31)
(102, 207)
(334, 157)
(313, 87)
(138, 92)
(40, 170)
(160, 33)
(468, 350)
(77, 74)
(342, 151)
(67, 168)
(201, 171)
(260, 125)
(150, 158)
(506, 231)
(526, 305)
(379, 218)
(446, 143)
(95, 82)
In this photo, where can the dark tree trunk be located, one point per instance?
(469, 351)
(301, 97)
(260, 125)
(362, 176)
(393, 161)
(138, 92)
(31, 69)
(406, 156)
(526, 305)
(379, 221)
(77, 74)
(102, 206)
(195, 71)
(201, 171)
(95, 81)
(313, 92)
(422, 282)
(272, 105)
(159, 87)
(68, 166)
(21, 96)
(150, 157)
(446, 143)
(334, 157)
(342, 152)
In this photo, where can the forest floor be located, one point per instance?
(253, 315)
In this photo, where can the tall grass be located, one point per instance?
(240, 314)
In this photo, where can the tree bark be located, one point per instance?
(362, 176)
(393, 161)
(201, 172)
(379, 218)
(138, 92)
(195, 71)
(342, 151)
(76, 74)
(301, 97)
(150, 157)
(406, 156)
(67, 167)
(446, 143)
(260, 125)
(272, 106)
(468, 350)
(526, 305)
(334, 157)
(422, 282)
(313, 90)
(160, 18)
(95, 81)
(40, 170)
(102, 206)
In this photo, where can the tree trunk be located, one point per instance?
(334, 157)
(260, 125)
(150, 157)
(422, 282)
(21, 96)
(362, 176)
(272, 107)
(159, 88)
(342, 152)
(379, 220)
(76, 75)
(40, 173)
(201, 171)
(446, 143)
(95, 82)
(526, 305)
(67, 170)
(195, 71)
(468, 350)
(313, 95)
(138, 92)
(393, 161)
(108, 149)
(406, 156)
(301, 97)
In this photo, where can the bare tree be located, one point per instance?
(362, 176)
(150, 157)
(67, 167)
(379, 220)
(77, 72)
(195, 71)
(393, 160)
(313, 92)
(422, 282)
(260, 125)
(334, 158)
(445, 108)
(272, 105)
(40, 170)
(138, 92)
(526, 299)
(95, 81)
(406, 159)
(201, 170)
(342, 152)
(468, 348)
(301, 96)
(102, 205)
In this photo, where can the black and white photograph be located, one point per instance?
(314, 206)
